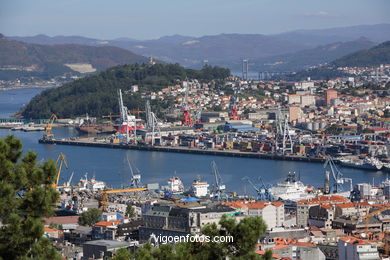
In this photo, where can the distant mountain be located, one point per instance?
(375, 56)
(19, 59)
(47, 40)
(314, 46)
(376, 33)
(311, 57)
(187, 50)
(216, 49)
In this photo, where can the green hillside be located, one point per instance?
(375, 56)
(97, 94)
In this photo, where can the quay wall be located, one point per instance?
(214, 152)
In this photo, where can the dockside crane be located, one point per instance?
(263, 191)
(219, 187)
(233, 106)
(49, 125)
(186, 119)
(337, 175)
(152, 123)
(60, 161)
(135, 177)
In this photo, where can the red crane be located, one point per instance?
(186, 119)
(233, 106)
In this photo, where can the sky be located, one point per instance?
(150, 19)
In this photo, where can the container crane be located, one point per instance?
(186, 119)
(104, 197)
(336, 174)
(135, 178)
(60, 161)
(219, 187)
(199, 115)
(152, 123)
(49, 125)
(263, 191)
(233, 106)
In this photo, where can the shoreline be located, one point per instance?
(27, 87)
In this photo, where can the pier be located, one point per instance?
(215, 152)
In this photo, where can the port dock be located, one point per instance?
(177, 149)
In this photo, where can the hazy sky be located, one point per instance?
(146, 19)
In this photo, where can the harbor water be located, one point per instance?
(110, 165)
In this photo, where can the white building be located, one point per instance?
(352, 248)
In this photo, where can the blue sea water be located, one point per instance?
(110, 165)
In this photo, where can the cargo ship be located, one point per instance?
(368, 163)
(96, 129)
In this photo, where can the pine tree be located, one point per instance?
(26, 195)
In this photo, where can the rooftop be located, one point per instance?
(353, 240)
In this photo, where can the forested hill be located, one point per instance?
(97, 94)
(22, 60)
(375, 56)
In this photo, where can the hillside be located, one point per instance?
(375, 56)
(97, 94)
(18, 59)
(375, 33)
(191, 51)
(308, 58)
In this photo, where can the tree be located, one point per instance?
(90, 217)
(26, 195)
(333, 130)
(122, 254)
(245, 236)
(130, 211)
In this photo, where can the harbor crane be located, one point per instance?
(152, 123)
(219, 187)
(135, 178)
(199, 115)
(263, 191)
(233, 106)
(60, 161)
(337, 175)
(283, 140)
(128, 121)
(105, 193)
(49, 125)
(186, 119)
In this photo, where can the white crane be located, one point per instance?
(152, 123)
(263, 191)
(337, 175)
(135, 178)
(219, 187)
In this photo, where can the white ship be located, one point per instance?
(368, 163)
(291, 189)
(200, 189)
(92, 184)
(175, 185)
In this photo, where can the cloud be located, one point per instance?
(319, 14)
